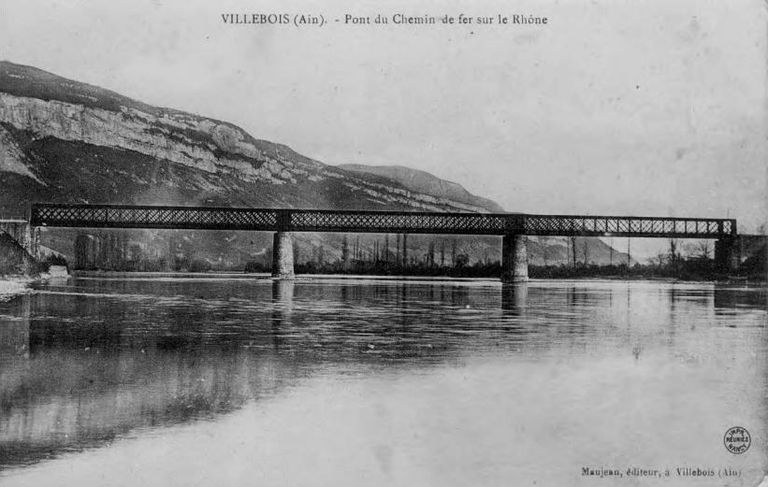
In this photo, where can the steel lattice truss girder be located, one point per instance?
(350, 221)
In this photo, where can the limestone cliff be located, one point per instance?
(40, 112)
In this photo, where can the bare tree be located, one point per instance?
(573, 250)
(610, 246)
(703, 249)
(674, 255)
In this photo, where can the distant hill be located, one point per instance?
(424, 182)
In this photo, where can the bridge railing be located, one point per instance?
(404, 222)
(124, 216)
(629, 226)
(351, 221)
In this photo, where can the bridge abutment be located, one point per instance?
(727, 254)
(514, 258)
(26, 235)
(282, 256)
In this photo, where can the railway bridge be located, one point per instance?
(512, 227)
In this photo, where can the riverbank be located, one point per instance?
(230, 275)
(11, 286)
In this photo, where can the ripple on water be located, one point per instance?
(328, 371)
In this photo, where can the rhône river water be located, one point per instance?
(223, 380)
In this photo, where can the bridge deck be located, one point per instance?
(349, 221)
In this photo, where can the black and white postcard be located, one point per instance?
(383, 243)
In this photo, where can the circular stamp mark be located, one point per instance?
(737, 440)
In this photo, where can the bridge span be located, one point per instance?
(512, 227)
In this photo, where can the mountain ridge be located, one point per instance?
(423, 182)
(46, 105)
(70, 142)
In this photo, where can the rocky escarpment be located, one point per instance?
(12, 157)
(36, 107)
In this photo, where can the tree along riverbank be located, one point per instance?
(671, 265)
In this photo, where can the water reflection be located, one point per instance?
(14, 332)
(514, 297)
(96, 359)
(726, 298)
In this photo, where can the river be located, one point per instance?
(185, 380)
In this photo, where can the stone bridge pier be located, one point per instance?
(282, 256)
(514, 258)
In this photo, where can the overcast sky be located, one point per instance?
(615, 107)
